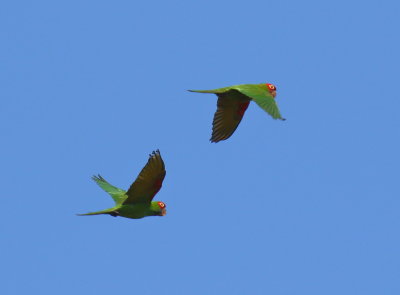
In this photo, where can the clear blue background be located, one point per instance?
(305, 206)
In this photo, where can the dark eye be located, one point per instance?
(272, 87)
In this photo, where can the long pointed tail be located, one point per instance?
(202, 91)
(111, 211)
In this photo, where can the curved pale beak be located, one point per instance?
(163, 212)
(273, 92)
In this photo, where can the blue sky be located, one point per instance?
(305, 206)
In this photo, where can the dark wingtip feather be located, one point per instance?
(155, 154)
(97, 178)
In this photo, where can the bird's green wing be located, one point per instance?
(149, 181)
(117, 194)
(262, 97)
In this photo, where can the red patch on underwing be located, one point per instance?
(157, 185)
(242, 108)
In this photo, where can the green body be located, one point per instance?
(139, 210)
(134, 211)
(137, 201)
(233, 102)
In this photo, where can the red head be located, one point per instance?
(271, 88)
(162, 207)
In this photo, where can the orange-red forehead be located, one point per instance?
(271, 86)
(161, 205)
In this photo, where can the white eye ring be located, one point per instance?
(272, 87)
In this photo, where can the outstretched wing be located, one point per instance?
(269, 105)
(262, 97)
(117, 194)
(231, 107)
(149, 181)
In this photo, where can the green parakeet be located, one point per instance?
(233, 102)
(137, 201)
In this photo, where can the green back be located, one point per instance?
(257, 92)
(260, 94)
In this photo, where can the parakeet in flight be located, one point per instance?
(233, 102)
(137, 201)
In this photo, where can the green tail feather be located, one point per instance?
(202, 91)
(111, 211)
(215, 91)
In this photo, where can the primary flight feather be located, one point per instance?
(233, 102)
(137, 201)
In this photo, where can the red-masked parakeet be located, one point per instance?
(233, 102)
(137, 201)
